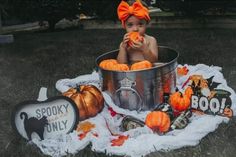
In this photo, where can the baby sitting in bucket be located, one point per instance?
(136, 45)
(137, 51)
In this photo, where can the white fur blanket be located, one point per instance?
(141, 141)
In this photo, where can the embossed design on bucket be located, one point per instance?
(126, 95)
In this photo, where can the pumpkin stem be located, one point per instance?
(78, 88)
(176, 89)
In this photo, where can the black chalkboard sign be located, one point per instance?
(44, 119)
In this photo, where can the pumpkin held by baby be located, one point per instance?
(134, 37)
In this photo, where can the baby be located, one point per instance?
(135, 17)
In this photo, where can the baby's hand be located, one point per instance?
(142, 46)
(125, 41)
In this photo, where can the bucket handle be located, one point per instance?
(135, 92)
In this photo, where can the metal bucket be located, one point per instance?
(140, 90)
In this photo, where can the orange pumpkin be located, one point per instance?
(134, 37)
(112, 64)
(179, 101)
(188, 92)
(228, 112)
(121, 67)
(88, 99)
(158, 121)
(108, 64)
(141, 65)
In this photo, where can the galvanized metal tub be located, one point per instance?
(140, 90)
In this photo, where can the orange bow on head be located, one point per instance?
(124, 10)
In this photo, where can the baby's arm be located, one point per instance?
(151, 52)
(148, 48)
(122, 55)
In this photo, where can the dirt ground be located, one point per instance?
(39, 59)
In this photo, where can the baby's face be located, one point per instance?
(134, 24)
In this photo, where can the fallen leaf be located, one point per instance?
(112, 112)
(82, 135)
(95, 134)
(85, 127)
(119, 141)
(182, 71)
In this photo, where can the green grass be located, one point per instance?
(39, 59)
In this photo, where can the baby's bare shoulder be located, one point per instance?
(150, 38)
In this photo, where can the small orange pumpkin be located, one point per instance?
(141, 65)
(158, 121)
(134, 37)
(108, 64)
(179, 101)
(188, 92)
(121, 67)
(112, 64)
(88, 99)
(228, 112)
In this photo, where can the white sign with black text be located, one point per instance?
(34, 119)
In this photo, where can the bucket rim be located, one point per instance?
(135, 71)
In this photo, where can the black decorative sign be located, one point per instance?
(35, 119)
(207, 98)
(219, 104)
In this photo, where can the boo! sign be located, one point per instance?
(34, 119)
(217, 105)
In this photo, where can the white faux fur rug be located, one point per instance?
(142, 140)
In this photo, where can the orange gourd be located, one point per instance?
(88, 99)
(141, 65)
(158, 121)
(179, 101)
(134, 37)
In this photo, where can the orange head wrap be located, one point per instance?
(124, 10)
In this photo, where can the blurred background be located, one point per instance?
(48, 13)
(42, 41)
